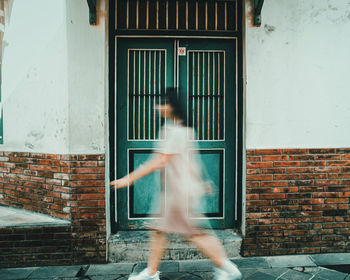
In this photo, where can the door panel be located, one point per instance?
(144, 69)
(211, 97)
(212, 204)
(141, 198)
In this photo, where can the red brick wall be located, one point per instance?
(36, 182)
(87, 182)
(297, 201)
(64, 186)
(35, 246)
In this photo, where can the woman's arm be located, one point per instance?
(157, 162)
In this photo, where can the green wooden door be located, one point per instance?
(206, 70)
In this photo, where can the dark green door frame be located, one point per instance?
(223, 150)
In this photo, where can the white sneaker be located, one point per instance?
(229, 271)
(144, 275)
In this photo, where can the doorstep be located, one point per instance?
(132, 246)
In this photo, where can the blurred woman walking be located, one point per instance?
(184, 184)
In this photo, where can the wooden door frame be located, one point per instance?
(240, 103)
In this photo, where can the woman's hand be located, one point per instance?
(120, 183)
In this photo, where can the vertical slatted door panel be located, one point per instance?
(144, 69)
(146, 79)
(206, 89)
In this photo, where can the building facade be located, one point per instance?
(269, 105)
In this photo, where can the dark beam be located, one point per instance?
(92, 11)
(258, 4)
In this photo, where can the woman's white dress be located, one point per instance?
(184, 184)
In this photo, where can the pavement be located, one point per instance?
(292, 267)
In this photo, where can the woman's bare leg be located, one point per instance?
(158, 241)
(211, 247)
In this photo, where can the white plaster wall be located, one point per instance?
(87, 53)
(297, 74)
(34, 78)
(54, 78)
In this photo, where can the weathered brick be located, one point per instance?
(286, 163)
(274, 183)
(259, 177)
(272, 196)
(312, 163)
(253, 158)
(268, 152)
(295, 151)
(321, 151)
(273, 170)
(286, 176)
(274, 157)
(82, 170)
(259, 164)
(300, 170)
(338, 163)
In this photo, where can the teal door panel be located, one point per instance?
(206, 72)
(144, 69)
(211, 203)
(147, 190)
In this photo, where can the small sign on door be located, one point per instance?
(181, 51)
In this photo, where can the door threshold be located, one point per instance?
(127, 246)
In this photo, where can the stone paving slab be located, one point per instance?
(110, 269)
(290, 261)
(246, 272)
(292, 274)
(54, 271)
(205, 275)
(256, 262)
(165, 266)
(179, 276)
(104, 277)
(16, 273)
(331, 259)
(59, 278)
(260, 276)
(275, 272)
(199, 265)
(331, 274)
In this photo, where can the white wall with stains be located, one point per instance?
(53, 78)
(34, 78)
(297, 74)
(87, 74)
(54, 75)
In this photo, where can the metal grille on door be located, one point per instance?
(194, 15)
(206, 88)
(146, 79)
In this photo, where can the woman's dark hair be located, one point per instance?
(171, 96)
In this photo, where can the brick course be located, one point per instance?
(297, 201)
(65, 186)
